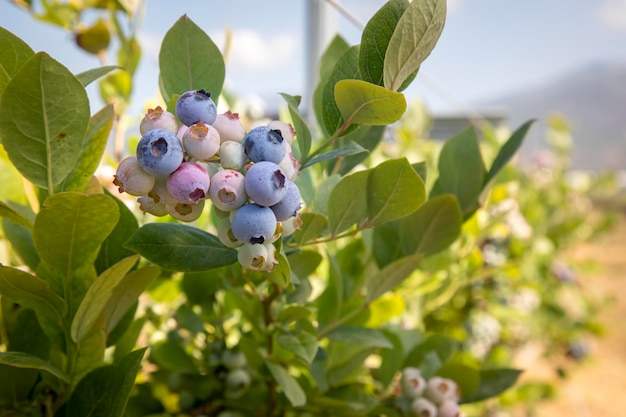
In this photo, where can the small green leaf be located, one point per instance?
(190, 60)
(104, 391)
(126, 293)
(362, 336)
(70, 228)
(14, 53)
(461, 169)
(300, 343)
(363, 103)
(302, 130)
(347, 204)
(313, 226)
(24, 360)
(433, 227)
(375, 40)
(89, 76)
(508, 150)
(92, 150)
(493, 382)
(287, 383)
(44, 113)
(98, 296)
(413, 40)
(347, 67)
(394, 190)
(391, 276)
(14, 216)
(179, 247)
(349, 149)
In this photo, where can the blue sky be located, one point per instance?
(488, 48)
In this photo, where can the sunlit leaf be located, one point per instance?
(363, 103)
(24, 360)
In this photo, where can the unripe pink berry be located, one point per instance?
(189, 183)
(201, 141)
(158, 118)
(449, 408)
(229, 127)
(227, 190)
(131, 178)
(289, 164)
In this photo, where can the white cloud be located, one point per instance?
(252, 51)
(612, 14)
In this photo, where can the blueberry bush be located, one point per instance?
(233, 269)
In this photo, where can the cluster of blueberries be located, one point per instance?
(435, 397)
(248, 176)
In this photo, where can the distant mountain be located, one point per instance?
(593, 101)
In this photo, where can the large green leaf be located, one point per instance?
(44, 113)
(70, 228)
(14, 53)
(375, 40)
(179, 247)
(413, 40)
(461, 169)
(433, 227)
(287, 383)
(335, 49)
(14, 216)
(507, 151)
(98, 296)
(347, 67)
(104, 392)
(394, 190)
(190, 60)
(302, 129)
(492, 383)
(391, 276)
(24, 360)
(347, 204)
(364, 103)
(126, 293)
(92, 150)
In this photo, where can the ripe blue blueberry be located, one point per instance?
(289, 205)
(253, 223)
(265, 183)
(196, 106)
(265, 144)
(159, 152)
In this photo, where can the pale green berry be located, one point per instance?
(225, 234)
(232, 155)
(252, 256)
(186, 212)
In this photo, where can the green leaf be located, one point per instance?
(361, 336)
(98, 296)
(443, 346)
(375, 40)
(89, 354)
(330, 301)
(433, 227)
(89, 76)
(24, 360)
(347, 67)
(386, 243)
(300, 343)
(92, 150)
(394, 190)
(368, 137)
(14, 53)
(493, 382)
(363, 103)
(171, 355)
(70, 228)
(104, 392)
(22, 243)
(179, 247)
(112, 249)
(347, 204)
(190, 60)
(44, 113)
(14, 216)
(461, 169)
(391, 276)
(335, 49)
(508, 150)
(287, 383)
(413, 40)
(313, 226)
(126, 293)
(302, 129)
(350, 148)
(466, 377)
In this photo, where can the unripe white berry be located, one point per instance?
(158, 118)
(271, 257)
(201, 141)
(424, 408)
(148, 205)
(132, 179)
(229, 127)
(441, 389)
(291, 225)
(413, 384)
(185, 212)
(449, 408)
(289, 164)
(225, 234)
(252, 256)
(232, 155)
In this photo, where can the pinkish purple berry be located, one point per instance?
(189, 183)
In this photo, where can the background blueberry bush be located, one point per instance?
(413, 274)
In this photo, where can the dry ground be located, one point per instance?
(597, 387)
